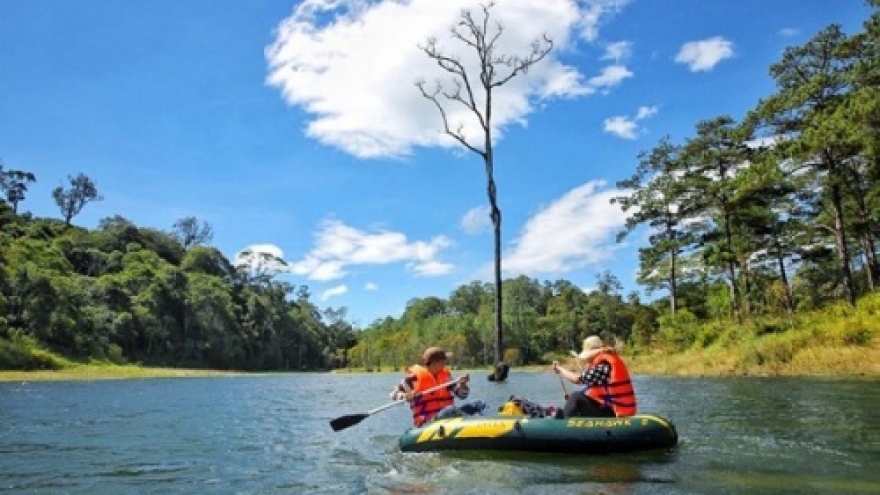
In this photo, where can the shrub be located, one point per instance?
(854, 330)
(869, 305)
(711, 332)
(679, 331)
(21, 352)
(775, 349)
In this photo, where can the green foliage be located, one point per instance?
(124, 294)
(711, 332)
(870, 305)
(678, 331)
(775, 349)
(21, 352)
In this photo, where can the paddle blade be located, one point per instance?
(344, 422)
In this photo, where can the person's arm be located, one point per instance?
(596, 375)
(565, 373)
(593, 375)
(404, 389)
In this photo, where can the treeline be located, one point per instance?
(781, 209)
(130, 294)
(540, 320)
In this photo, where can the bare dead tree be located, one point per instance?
(474, 92)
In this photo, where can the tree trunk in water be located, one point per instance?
(496, 223)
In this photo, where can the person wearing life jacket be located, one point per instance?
(439, 403)
(609, 391)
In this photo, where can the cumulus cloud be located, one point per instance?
(351, 67)
(476, 220)
(333, 292)
(628, 127)
(609, 77)
(338, 246)
(371, 286)
(704, 55)
(577, 230)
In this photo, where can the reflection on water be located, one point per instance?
(270, 435)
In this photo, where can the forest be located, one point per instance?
(751, 222)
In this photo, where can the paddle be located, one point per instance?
(348, 420)
(564, 389)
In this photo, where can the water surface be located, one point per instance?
(269, 434)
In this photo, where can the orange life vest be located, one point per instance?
(618, 393)
(425, 407)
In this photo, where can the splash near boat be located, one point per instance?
(543, 434)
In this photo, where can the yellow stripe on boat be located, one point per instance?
(456, 428)
(486, 428)
(646, 417)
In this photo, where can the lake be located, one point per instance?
(270, 434)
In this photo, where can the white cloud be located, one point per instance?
(476, 220)
(620, 126)
(261, 259)
(617, 51)
(646, 112)
(577, 230)
(626, 127)
(268, 249)
(351, 66)
(704, 55)
(789, 32)
(611, 76)
(593, 12)
(333, 292)
(371, 286)
(338, 246)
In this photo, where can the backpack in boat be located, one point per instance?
(517, 406)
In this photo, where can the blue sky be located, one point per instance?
(296, 127)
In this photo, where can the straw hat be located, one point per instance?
(592, 345)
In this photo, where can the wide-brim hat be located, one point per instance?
(433, 354)
(592, 345)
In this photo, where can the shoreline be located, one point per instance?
(855, 362)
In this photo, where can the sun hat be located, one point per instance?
(433, 354)
(592, 344)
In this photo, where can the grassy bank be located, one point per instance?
(28, 361)
(851, 360)
(839, 340)
(94, 371)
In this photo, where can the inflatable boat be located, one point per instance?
(542, 434)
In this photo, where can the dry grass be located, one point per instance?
(809, 361)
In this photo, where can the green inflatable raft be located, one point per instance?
(514, 433)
